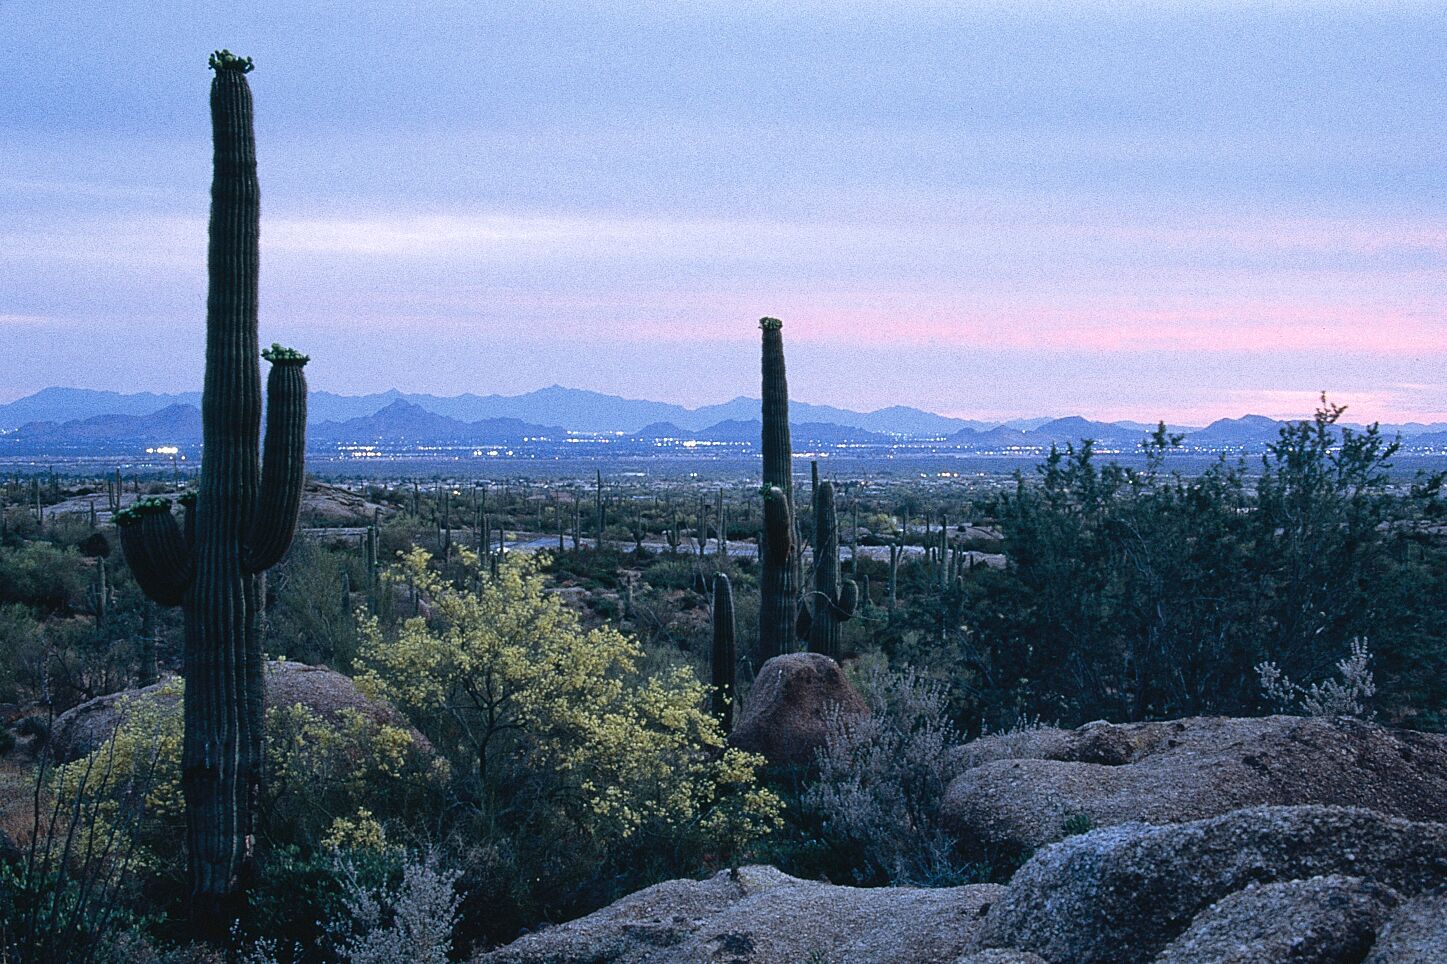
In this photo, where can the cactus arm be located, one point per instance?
(188, 502)
(848, 600)
(778, 526)
(824, 637)
(155, 550)
(804, 624)
(283, 471)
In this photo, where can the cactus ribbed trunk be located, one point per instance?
(834, 598)
(777, 586)
(725, 655)
(824, 631)
(221, 754)
(242, 524)
(598, 508)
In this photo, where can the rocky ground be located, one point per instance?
(86, 727)
(1206, 840)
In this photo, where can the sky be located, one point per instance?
(990, 210)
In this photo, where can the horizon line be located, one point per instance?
(992, 420)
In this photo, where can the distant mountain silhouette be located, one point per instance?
(404, 422)
(1243, 431)
(172, 425)
(801, 433)
(662, 430)
(575, 409)
(66, 419)
(70, 404)
(1073, 430)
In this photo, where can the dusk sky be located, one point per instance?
(991, 210)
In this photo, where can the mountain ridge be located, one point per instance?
(72, 416)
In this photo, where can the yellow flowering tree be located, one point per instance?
(561, 733)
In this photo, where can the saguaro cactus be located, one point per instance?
(725, 655)
(777, 586)
(242, 523)
(834, 599)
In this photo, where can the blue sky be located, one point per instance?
(991, 210)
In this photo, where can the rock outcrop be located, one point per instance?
(1122, 894)
(766, 916)
(83, 728)
(785, 714)
(1324, 920)
(1029, 789)
(1308, 882)
(1416, 933)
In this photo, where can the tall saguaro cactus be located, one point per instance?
(242, 522)
(834, 598)
(777, 585)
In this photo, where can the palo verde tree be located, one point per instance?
(242, 523)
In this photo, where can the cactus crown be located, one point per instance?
(141, 508)
(226, 60)
(770, 324)
(187, 499)
(279, 353)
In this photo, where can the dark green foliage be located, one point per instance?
(306, 620)
(1150, 594)
(42, 576)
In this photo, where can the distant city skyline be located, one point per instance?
(1123, 211)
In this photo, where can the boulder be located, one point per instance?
(1322, 920)
(330, 505)
(1415, 934)
(84, 728)
(765, 916)
(1027, 789)
(785, 714)
(1123, 893)
(1000, 955)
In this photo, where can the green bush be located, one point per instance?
(42, 576)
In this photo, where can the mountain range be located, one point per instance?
(576, 409)
(60, 420)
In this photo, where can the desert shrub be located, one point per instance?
(308, 619)
(321, 774)
(298, 903)
(671, 573)
(42, 576)
(882, 778)
(69, 530)
(23, 655)
(573, 765)
(70, 894)
(1146, 593)
(410, 921)
(1351, 696)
